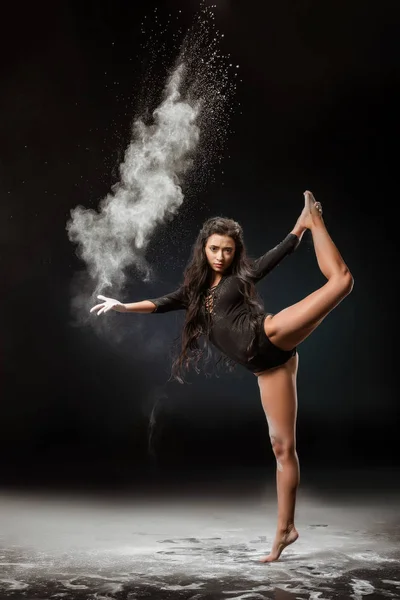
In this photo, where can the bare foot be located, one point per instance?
(311, 212)
(282, 539)
(310, 204)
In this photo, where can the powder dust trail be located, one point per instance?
(147, 193)
(185, 134)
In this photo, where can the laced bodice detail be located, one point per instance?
(211, 298)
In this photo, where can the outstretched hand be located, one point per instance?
(108, 304)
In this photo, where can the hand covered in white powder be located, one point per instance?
(108, 304)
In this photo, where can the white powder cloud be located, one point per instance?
(149, 190)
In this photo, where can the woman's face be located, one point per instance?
(220, 250)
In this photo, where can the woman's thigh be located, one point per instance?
(292, 325)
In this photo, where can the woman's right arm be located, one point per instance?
(144, 306)
(173, 301)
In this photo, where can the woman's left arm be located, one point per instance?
(268, 261)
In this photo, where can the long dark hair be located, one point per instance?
(196, 280)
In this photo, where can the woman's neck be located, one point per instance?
(215, 280)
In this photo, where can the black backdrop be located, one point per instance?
(316, 109)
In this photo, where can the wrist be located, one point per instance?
(298, 230)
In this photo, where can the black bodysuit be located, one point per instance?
(229, 315)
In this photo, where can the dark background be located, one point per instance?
(316, 109)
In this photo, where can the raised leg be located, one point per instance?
(279, 401)
(291, 326)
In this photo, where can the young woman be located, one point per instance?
(221, 303)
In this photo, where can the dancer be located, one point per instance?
(221, 303)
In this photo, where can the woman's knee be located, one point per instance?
(344, 282)
(283, 448)
(348, 282)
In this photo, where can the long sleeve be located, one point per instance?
(173, 301)
(268, 261)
